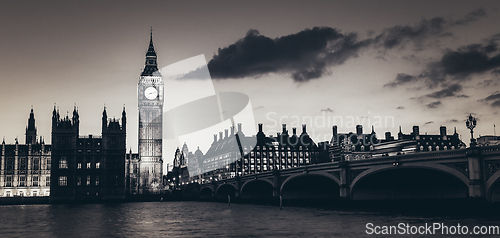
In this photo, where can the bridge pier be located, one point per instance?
(237, 191)
(276, 183)
(344, 180)
(476, 173)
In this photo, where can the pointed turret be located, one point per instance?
(151, 65)
(76, 116)
(124, 120)
(31, 129)
(104, 120)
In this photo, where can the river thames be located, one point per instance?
(207, 219)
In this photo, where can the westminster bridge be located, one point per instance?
(473, 172)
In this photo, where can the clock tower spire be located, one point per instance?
(151, 65)
(150, 103)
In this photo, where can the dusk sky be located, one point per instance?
(425, 63)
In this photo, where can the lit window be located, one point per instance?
(35, 180)
(63, 164)
(97, 180)
(88, 165)
(88, 180)
(63, 181)
(97, 165)
(22, 181)
(8, 182)
(79, 166)
(78, 181)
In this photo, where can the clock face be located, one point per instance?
(151, 93)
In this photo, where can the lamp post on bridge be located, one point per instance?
(471, 124)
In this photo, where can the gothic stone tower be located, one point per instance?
(150, 102)
(31, 129)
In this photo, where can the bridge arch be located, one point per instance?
(257, 189)
(310, 186)
(415, 178)
(492, 187)
(223, 190)
(205, 192)
(319, 173)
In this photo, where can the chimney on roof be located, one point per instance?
(388, 136)
(442, 130)
(359, 129)
(416, 130)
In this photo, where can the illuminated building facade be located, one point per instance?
(25, 168)
(150, 103)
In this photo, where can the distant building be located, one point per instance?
(488, 140)
(354, 146)
(261, 153)
(87, 167)
(25, 168)
(425, 142)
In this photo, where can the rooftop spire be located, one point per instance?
(151, 65)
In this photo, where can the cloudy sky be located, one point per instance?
(381, 63)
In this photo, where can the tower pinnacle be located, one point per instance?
(151, 65)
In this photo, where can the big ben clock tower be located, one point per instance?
(150, 102)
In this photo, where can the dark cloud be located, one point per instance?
(327, 110)
(470, 59)
(496, 103)
(398, 35)
(305, 54)
(457, 65)
(427, 28)
(471, 17)
(429, 122)
(452, 121)
(402, 79)
(447, 92)
(434, 104)
(257, 108)
(400, 107)
(493, 97)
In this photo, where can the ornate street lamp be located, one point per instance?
(471, 124)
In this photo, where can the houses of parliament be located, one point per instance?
(88, 167)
